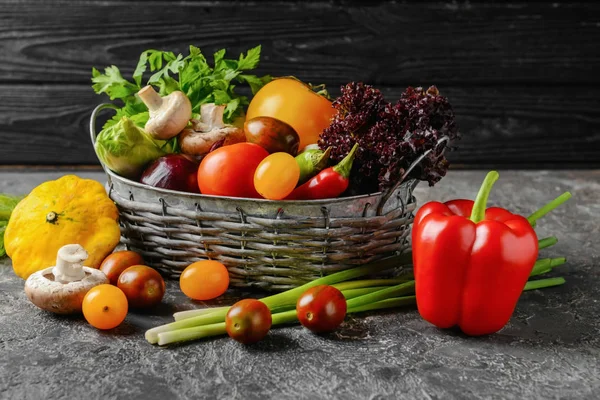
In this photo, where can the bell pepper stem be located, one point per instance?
(548, 207)
(478, 212)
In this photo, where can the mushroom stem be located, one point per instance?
(212, 115)
(68, 264)
(151, 99)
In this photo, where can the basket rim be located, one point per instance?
(322, 202)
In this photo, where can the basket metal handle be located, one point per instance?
(93, 119)
(386, 195)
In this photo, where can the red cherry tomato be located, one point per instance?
(143, 286)
(117, 262)
(229, 170)
(276, 176)
(321, 308)
(248, 321)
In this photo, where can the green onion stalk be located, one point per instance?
(349, 289)
(361, 295)
(284, 299)
(210, 322)
(376, 300)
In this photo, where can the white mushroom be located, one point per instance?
(209, 130)
(168, 115)
(61, 288)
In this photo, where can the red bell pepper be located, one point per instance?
(327, 184)
(471, 264)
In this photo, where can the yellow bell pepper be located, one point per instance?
(67, 210)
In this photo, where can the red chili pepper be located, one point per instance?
(471, 264)
(327, 184)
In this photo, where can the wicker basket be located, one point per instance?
(273, 245)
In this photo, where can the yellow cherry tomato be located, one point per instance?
(276, 176)
(204, 280)
(294, 103)
(105, 306)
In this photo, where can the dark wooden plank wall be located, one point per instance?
(523, 77)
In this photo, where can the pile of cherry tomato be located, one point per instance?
(283, 117)
(247, 170)
(321, 309)
(135, 285)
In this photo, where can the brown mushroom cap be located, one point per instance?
(196, 143)
(61, 298)
(209, 130)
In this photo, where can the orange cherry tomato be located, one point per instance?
(105, 306)
(229, 170)
(276, 176)
(204, 280)
(295, 103)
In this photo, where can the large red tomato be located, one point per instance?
(293, 102)
(229, 170)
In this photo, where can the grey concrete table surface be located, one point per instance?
(550, 348)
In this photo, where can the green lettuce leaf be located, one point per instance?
(126, 149)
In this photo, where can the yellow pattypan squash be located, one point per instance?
(65, 211)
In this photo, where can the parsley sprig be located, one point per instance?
(191, 74)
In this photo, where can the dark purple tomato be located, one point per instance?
(272, 134)
(248, 321)
(321, 308)
(175, 172)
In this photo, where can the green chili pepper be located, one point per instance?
(311, 162)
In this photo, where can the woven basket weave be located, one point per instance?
(273, 245)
